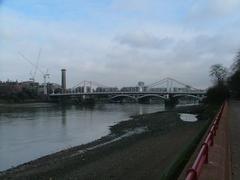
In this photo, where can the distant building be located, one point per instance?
(10, 87)
(51, 88)
(185, 89)
(141, 86)
(107, 89)
(81, 89)
(162, 90)
(30, 88)
(130, 89)
(29, 84)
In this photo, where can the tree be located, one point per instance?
(234, 78)
(219, 91)
(219, 73)
(234, 84)
(217, 94)
(236, 64)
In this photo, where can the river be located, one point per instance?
(29, 131)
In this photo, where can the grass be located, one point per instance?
(181, 159)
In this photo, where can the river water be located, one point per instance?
(29, 131)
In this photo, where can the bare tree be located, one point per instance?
(234, 78)
(219, 73)
(236, 64)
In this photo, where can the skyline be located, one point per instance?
(118, 40)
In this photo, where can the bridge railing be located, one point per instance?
(202, 157)
(72, 91)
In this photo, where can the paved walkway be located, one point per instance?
(234, 115)
(219, 164)
(224, 156)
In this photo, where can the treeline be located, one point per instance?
(25, 94)
(234, 78)
(226, 82)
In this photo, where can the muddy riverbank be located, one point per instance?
(139, 148)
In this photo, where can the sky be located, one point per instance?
(118, 42)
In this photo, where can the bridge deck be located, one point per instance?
(132, 93)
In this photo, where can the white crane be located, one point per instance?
(36, 66)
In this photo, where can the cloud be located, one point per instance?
(133, 5)
(182, 60)
(224, 6)
(214, 9)
(144, 40)
(120, 55)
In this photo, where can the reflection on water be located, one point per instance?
(30, 131)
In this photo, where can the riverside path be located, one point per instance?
(224, 155)
(234, 117)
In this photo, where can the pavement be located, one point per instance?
(224, 155)
(234, 117)
(219, 162)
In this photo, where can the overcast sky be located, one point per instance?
(118, 42)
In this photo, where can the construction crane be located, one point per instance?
(46, 75)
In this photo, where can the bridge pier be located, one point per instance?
(64, 100)
(171, 102)
(144, 101)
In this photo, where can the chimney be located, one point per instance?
(64, 83)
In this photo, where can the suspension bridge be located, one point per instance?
(164, 89)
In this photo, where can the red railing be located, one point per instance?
(202, 157)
